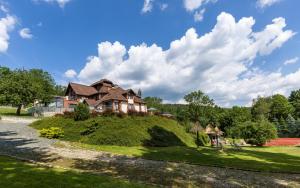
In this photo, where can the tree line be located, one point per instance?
(273, 115)
(20, 87)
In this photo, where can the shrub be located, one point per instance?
(257, 133)
(58, 115)
(132, 113)
(95, 114)
(121, 115)
(136, 113)
(91, 128)
(52, 132)
(81, 112)
(68, 114)
(108, 113)
(160, 137)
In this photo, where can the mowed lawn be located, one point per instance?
(266, 159)
(17, 174)
(9, 111)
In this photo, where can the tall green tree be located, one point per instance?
(261, 108)
(280, 107)
(21, 87)
(60, 90)
(198, 103)
(154, 102)
(233, 117)
(294, 99)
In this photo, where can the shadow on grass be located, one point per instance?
(160, 137)
(230, 158)
(16, 174)
(14, 145)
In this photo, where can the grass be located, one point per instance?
(15, 174)
(10, 111)
(127, 131)
(128, 136)
(266, 159)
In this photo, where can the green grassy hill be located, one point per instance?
(127, 131)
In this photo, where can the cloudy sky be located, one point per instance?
(232, 50)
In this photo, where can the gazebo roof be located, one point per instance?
(213, 131)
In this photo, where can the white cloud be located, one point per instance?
(291, 61)
(266, 3)
(70, 73)
(163, 6)
(191, 5)
(148, 5)
(218, 62)
(25, 33)
(4, 9)
(61, 3)
(7, 24)
(199, 15)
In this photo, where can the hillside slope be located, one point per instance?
(127, 131)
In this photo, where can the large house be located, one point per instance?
(104, 95)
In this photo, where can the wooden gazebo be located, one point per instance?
(214, 134)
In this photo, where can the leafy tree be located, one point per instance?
(233, 117)
(198, 102)
(294, 99)
(22, 87)
(153, 102)
(261, 108)
(280, 107)
(256, 133)
(81, 112)
(60, 90)
(291, 125)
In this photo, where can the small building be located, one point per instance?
(104, 95)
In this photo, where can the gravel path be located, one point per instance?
(17, 139)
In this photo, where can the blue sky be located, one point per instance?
(198, 44)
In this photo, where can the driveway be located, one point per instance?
(18, 139)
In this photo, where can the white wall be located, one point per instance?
(130, 101)
(124, 107)
(143, 108)
(137, 107)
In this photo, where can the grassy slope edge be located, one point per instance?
(127, 131)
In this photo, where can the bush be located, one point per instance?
(136, 113)
(58, 115)
(161, 137)
(95, 114)
(52, 132)
(108, 113)
(257, 133)
(68, 114)
(91, 128)
(121, 115)
(81, 112)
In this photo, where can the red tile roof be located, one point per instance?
(91, 102)
(84, 90)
